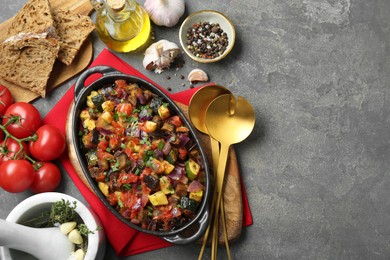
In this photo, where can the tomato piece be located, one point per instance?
(47, 178)
(112, 199)
(103, 144)
(125, 108)
(10, 150)
(28, 119)
(126, 178)
(51, 143)
(6, 99)
(175, 120)
(114, 142)
(16, 175)
(121, 83)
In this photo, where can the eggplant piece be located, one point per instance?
(155, 103)
(132, 100)
(103, 164)
(158, 120)
(95, 137)
(168, 127)
(181, 189)
(87, 141)
(123, 161)
(152, 182)
(148, 94)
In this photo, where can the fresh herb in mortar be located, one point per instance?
(62, 211)
(63, 214)
(207, 40)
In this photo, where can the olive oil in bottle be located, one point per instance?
(123, 25)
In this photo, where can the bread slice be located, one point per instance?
(27, 60)
(35, 17)
(72, 30)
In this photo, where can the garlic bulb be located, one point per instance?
(160, 55)
(165, 12)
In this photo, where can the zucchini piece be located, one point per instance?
(165, 185)
(168, 168)
(92, 158)
(158, 198)
(103, 188)
(163, 112)
(172, 156)
(98, 100)
(197, 196)
(192, 169)
(189, 204)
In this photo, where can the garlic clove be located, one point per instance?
(79, 254)
(165, 12)
(160, 55)
(67, 227)
(75, 237)
(198, 75)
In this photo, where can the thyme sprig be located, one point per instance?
(62, 211)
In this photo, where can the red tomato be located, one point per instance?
(47, 178)
(10, 148)
(30, 119)
(50, 144)
(6, 99)
(16, 175)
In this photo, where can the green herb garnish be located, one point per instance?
(62, 211)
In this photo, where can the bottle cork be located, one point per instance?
(116, 5)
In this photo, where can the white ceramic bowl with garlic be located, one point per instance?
(209, 16)
(32, 206)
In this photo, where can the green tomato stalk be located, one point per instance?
(3, 148)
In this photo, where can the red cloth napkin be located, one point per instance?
(124, 240)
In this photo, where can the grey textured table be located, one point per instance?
(317, 165)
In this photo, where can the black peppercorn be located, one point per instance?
(206, 40)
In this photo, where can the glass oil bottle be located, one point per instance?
(123, 25)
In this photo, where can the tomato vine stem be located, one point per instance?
(4, 150)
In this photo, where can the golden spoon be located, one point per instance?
(229, 121)
(197, 112)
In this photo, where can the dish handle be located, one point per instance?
(80, 83)
(179, 239)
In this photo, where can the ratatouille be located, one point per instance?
(142, 156)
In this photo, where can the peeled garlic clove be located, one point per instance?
(67, 227)
(160, 55)
(79, 254)
(75, 237)
(197, 75)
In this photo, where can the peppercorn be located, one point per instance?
(206, 40)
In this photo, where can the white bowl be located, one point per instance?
(34, 205)
(211, 17)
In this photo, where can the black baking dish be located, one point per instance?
(189, 232)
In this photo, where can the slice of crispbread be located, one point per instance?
(27, 60)
(72, 30)
(35, 17)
